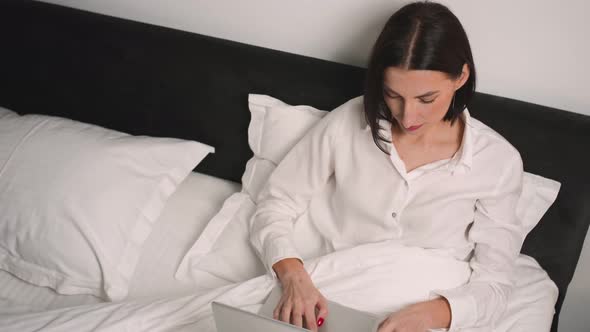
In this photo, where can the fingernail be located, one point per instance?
(320, 321)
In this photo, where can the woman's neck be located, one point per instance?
(442, 133)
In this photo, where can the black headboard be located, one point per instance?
(145, 79)
(150, 80)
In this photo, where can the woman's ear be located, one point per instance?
(463, 77)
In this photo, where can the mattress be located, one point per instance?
(198, 198)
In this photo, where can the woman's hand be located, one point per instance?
(419, 317)
(300, 297)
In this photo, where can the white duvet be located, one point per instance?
(378, 278)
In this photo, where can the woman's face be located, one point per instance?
(419, 99)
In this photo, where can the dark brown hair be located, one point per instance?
(419, 36)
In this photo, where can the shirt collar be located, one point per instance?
(462, 160)
(464, 157)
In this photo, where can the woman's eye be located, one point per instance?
(426, 101)
(392, 97)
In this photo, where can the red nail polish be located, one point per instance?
(320, 321)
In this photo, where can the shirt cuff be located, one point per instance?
(281, 248)
(463, 307)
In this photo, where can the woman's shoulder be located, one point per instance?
(489, 143)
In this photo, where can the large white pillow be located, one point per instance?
(77, 201)
(223, 249)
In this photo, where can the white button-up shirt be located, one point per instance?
(465, 204)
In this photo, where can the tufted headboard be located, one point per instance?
(149, 80)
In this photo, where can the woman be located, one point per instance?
(408, 163)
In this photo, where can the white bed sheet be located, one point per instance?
(184, 217)
(338, 276)
(158, 302)
(17, 295)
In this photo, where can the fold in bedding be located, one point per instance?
(378, 278)
(20, 296)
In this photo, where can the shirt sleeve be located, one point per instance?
(286, 195)
(497, 238)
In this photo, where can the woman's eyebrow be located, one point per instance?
(427, 94)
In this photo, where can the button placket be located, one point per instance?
(398, 206)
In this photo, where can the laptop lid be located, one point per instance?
(231, 319)
(340, 318)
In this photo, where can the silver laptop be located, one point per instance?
(340, 318)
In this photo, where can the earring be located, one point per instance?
(453, 103)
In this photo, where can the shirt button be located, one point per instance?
(393, 215)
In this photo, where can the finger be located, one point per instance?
(386, 326)
(297, 318)
(297, 314)
(285, 314)
(277, 311)
(310, 318)
(322, 307)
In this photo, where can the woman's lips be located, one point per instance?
(413, 128)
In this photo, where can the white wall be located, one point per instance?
(532, 50)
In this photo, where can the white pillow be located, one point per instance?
(223, 249)
(274, 129)
(78, 201)
(184, 217)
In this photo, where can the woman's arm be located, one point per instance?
(433, 314)
(287, 266)
(497, 236)
(301, 303)
(285, 196)
(304, 170)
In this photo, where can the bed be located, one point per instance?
(148, 80)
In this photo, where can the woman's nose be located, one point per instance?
(409, 116)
